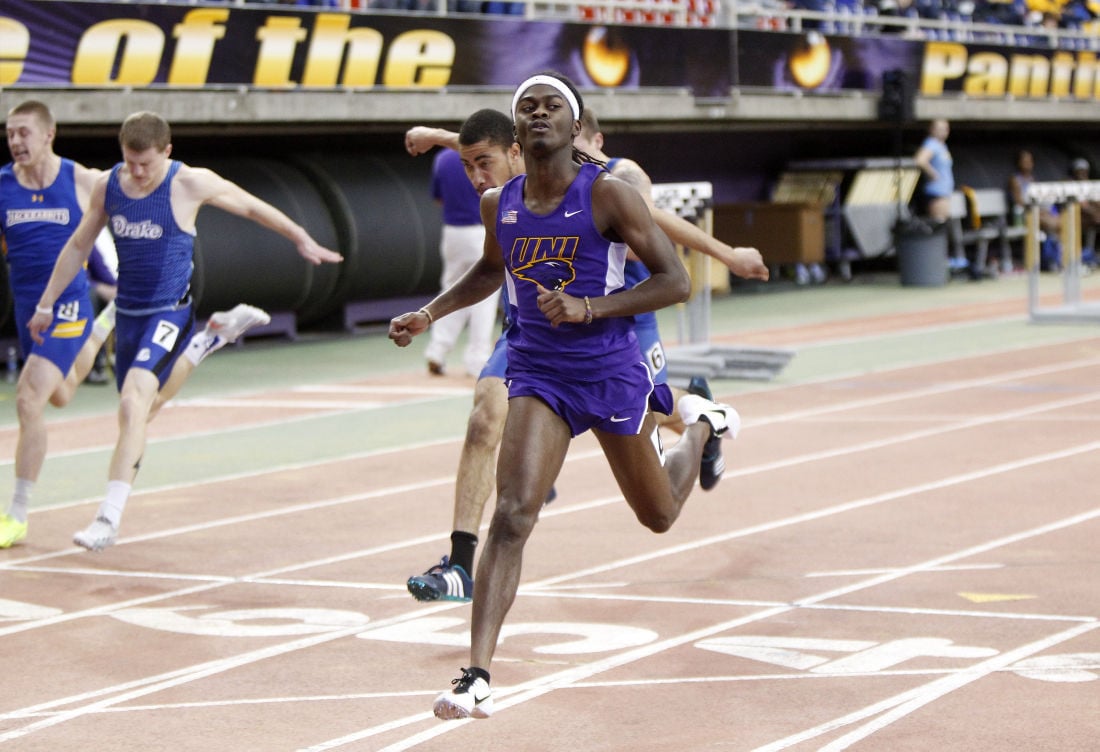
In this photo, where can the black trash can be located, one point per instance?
(922, 253)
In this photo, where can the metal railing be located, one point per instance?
(846, 18)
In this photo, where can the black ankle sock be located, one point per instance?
(463, 546)
(480, 672)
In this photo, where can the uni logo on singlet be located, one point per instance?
(146, 230)
(547, 261)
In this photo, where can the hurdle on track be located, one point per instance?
(1068, 195)
(695, 355)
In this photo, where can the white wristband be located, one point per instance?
(44, 310)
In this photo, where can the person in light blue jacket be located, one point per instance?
(934, 159)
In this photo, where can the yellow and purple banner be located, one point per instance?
(74, 44)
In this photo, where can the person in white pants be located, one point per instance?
(461, 246)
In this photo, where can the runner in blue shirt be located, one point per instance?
(42, 199)
(150, 202)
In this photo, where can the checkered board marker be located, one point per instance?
(1059, 192)
(692, 201)
(687, 200)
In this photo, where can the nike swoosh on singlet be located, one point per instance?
(569, 214)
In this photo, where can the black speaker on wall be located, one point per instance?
(896, 103)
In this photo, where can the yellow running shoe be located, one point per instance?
(11, 531)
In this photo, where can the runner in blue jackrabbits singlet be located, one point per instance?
(35, 225)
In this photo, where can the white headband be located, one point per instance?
(553, 83)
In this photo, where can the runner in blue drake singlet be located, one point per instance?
(645, 324)
(155, 257)
(150, 203)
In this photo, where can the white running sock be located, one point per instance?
(104, 323)
(118, 493)
(201, 345)
(20, 498)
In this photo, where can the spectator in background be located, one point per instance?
(1080, 169)
(1003, 13)
(934, 159)
(893, 9)
(461, 247)
(1077, 13)
(1050, 221)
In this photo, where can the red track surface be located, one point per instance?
(903, 560)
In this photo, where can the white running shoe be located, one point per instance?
(230, 325)
(470, 698)
(97, 536)
(724, 420)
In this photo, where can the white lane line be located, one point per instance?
(927, 433)
(157, 683)
(254, 516)
(912, 331)
(932, 390)
(447, 391)
(952, 613)
(573, 457)
(419, 613)
(841, 508)
(538, 687)
(279, 404)
(150, 684)
(787, 462)
(154, 684)
(138, 574)
(349, 407)
(825, 409)
(930, 418)
(572, 509)
(1068, 338)
(607, 684)
(884, 570)
(288, 699)
(898, 706)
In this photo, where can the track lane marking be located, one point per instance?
(538, 687)
(420, 613)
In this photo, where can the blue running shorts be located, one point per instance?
(71, 327)
(497, 364)
(649, 340)
(153, 341)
